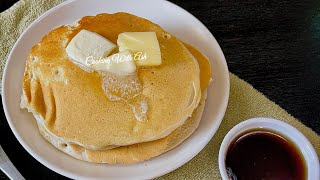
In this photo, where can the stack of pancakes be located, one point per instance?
(75, 115)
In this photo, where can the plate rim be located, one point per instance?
(63, 172)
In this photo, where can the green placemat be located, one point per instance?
(245, 101)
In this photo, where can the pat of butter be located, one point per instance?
(87, 44)
(120, 63)
(141, 42)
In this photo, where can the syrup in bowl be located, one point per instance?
(264, 154)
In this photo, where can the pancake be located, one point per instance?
(143, 151)
(72, 104)
(133, 153)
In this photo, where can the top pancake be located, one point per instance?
(143, 151)
(74, 106)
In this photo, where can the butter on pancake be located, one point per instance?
(143, 151)
(88, 44)
(73, 103)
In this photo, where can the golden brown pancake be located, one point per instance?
(143, 151)
(72, 104)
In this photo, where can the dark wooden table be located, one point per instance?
(274, 45)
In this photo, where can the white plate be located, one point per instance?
(173, 19)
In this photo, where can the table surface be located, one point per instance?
(274, 46)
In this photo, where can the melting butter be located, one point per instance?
(141, 43)
(120, 63)
(127, 89)
(88, 44)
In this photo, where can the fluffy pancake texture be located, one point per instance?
(73, 105)
(143, 151)
(133, 153)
